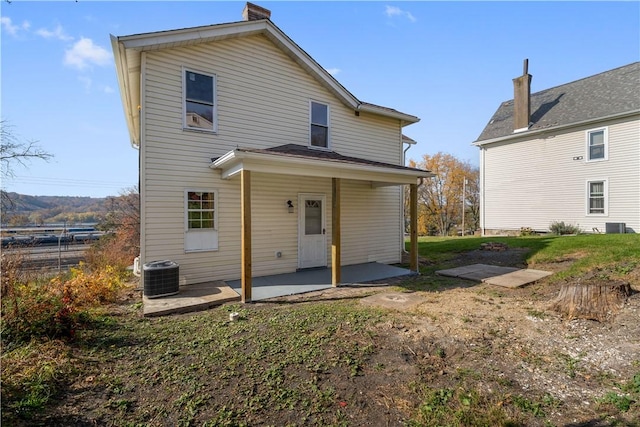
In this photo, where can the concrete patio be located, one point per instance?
(205, 295)
(508, 277)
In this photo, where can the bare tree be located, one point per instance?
(14, 151)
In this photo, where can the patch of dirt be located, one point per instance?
(499, 340)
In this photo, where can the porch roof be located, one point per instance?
(293, 159)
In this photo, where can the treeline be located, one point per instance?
(38, 210)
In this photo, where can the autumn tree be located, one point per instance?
(440, 198)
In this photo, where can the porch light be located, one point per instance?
(290, 206)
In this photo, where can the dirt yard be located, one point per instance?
(495, 338)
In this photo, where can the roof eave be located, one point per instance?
(535, 132)
(234, 161)
(125, 93)
(407, 119)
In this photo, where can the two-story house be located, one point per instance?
(570, 153)
(254, 160)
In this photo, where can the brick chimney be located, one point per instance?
(522, 100)
(253, 12)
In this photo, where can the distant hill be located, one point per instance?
(54, 208)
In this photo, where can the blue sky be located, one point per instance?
(449, 63)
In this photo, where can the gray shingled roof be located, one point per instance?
(294, 150)
(606, 94)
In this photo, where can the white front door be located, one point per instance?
(312, 237)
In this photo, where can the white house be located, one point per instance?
(570, 153)
(254, 160)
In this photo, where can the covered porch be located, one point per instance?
(299, 160)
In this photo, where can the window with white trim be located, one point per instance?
(199, 101)
(319, 125)
(201, 228)
(597, 197)
(597, 144)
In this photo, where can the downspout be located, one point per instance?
(482, 212)
(402, 204)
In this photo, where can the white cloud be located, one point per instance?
(393, 11)
(108, 89)
(84, 53)
(333, 71)
(12, 28)
(58, 33)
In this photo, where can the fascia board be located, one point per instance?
(519, 136)
(406, 118)
(162, 39)
(120, 60)
(229, 163)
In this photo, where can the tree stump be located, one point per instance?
(591, 299)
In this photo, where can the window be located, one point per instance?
(597, 144)
(597, 197)
(201, 228)
(319, 125)
(200, 210)
(199, 101)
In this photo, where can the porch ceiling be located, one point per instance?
(292, 159)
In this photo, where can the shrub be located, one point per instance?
(118, 248)
(560, 228)
(54, 307)
(108, 253)
(527, 231)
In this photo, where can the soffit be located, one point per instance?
(292, 159)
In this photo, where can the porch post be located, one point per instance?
(413, 228)
(335, 232)
(245, 234)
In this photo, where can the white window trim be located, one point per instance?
(605, 138)
(588, 197)
(184, 101)
(328, 147)
(213, 232)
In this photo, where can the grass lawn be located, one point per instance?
(470, 355)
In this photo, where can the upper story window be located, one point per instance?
(199, 101)
(597, 144)
(319, 125)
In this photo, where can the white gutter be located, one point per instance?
(406, 118)
(236, 155)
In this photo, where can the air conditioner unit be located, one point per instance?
(615, 227)
(161, 278)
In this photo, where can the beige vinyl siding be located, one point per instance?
(275, 229)
(375, 239)
(262, 101)
(533, 183)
